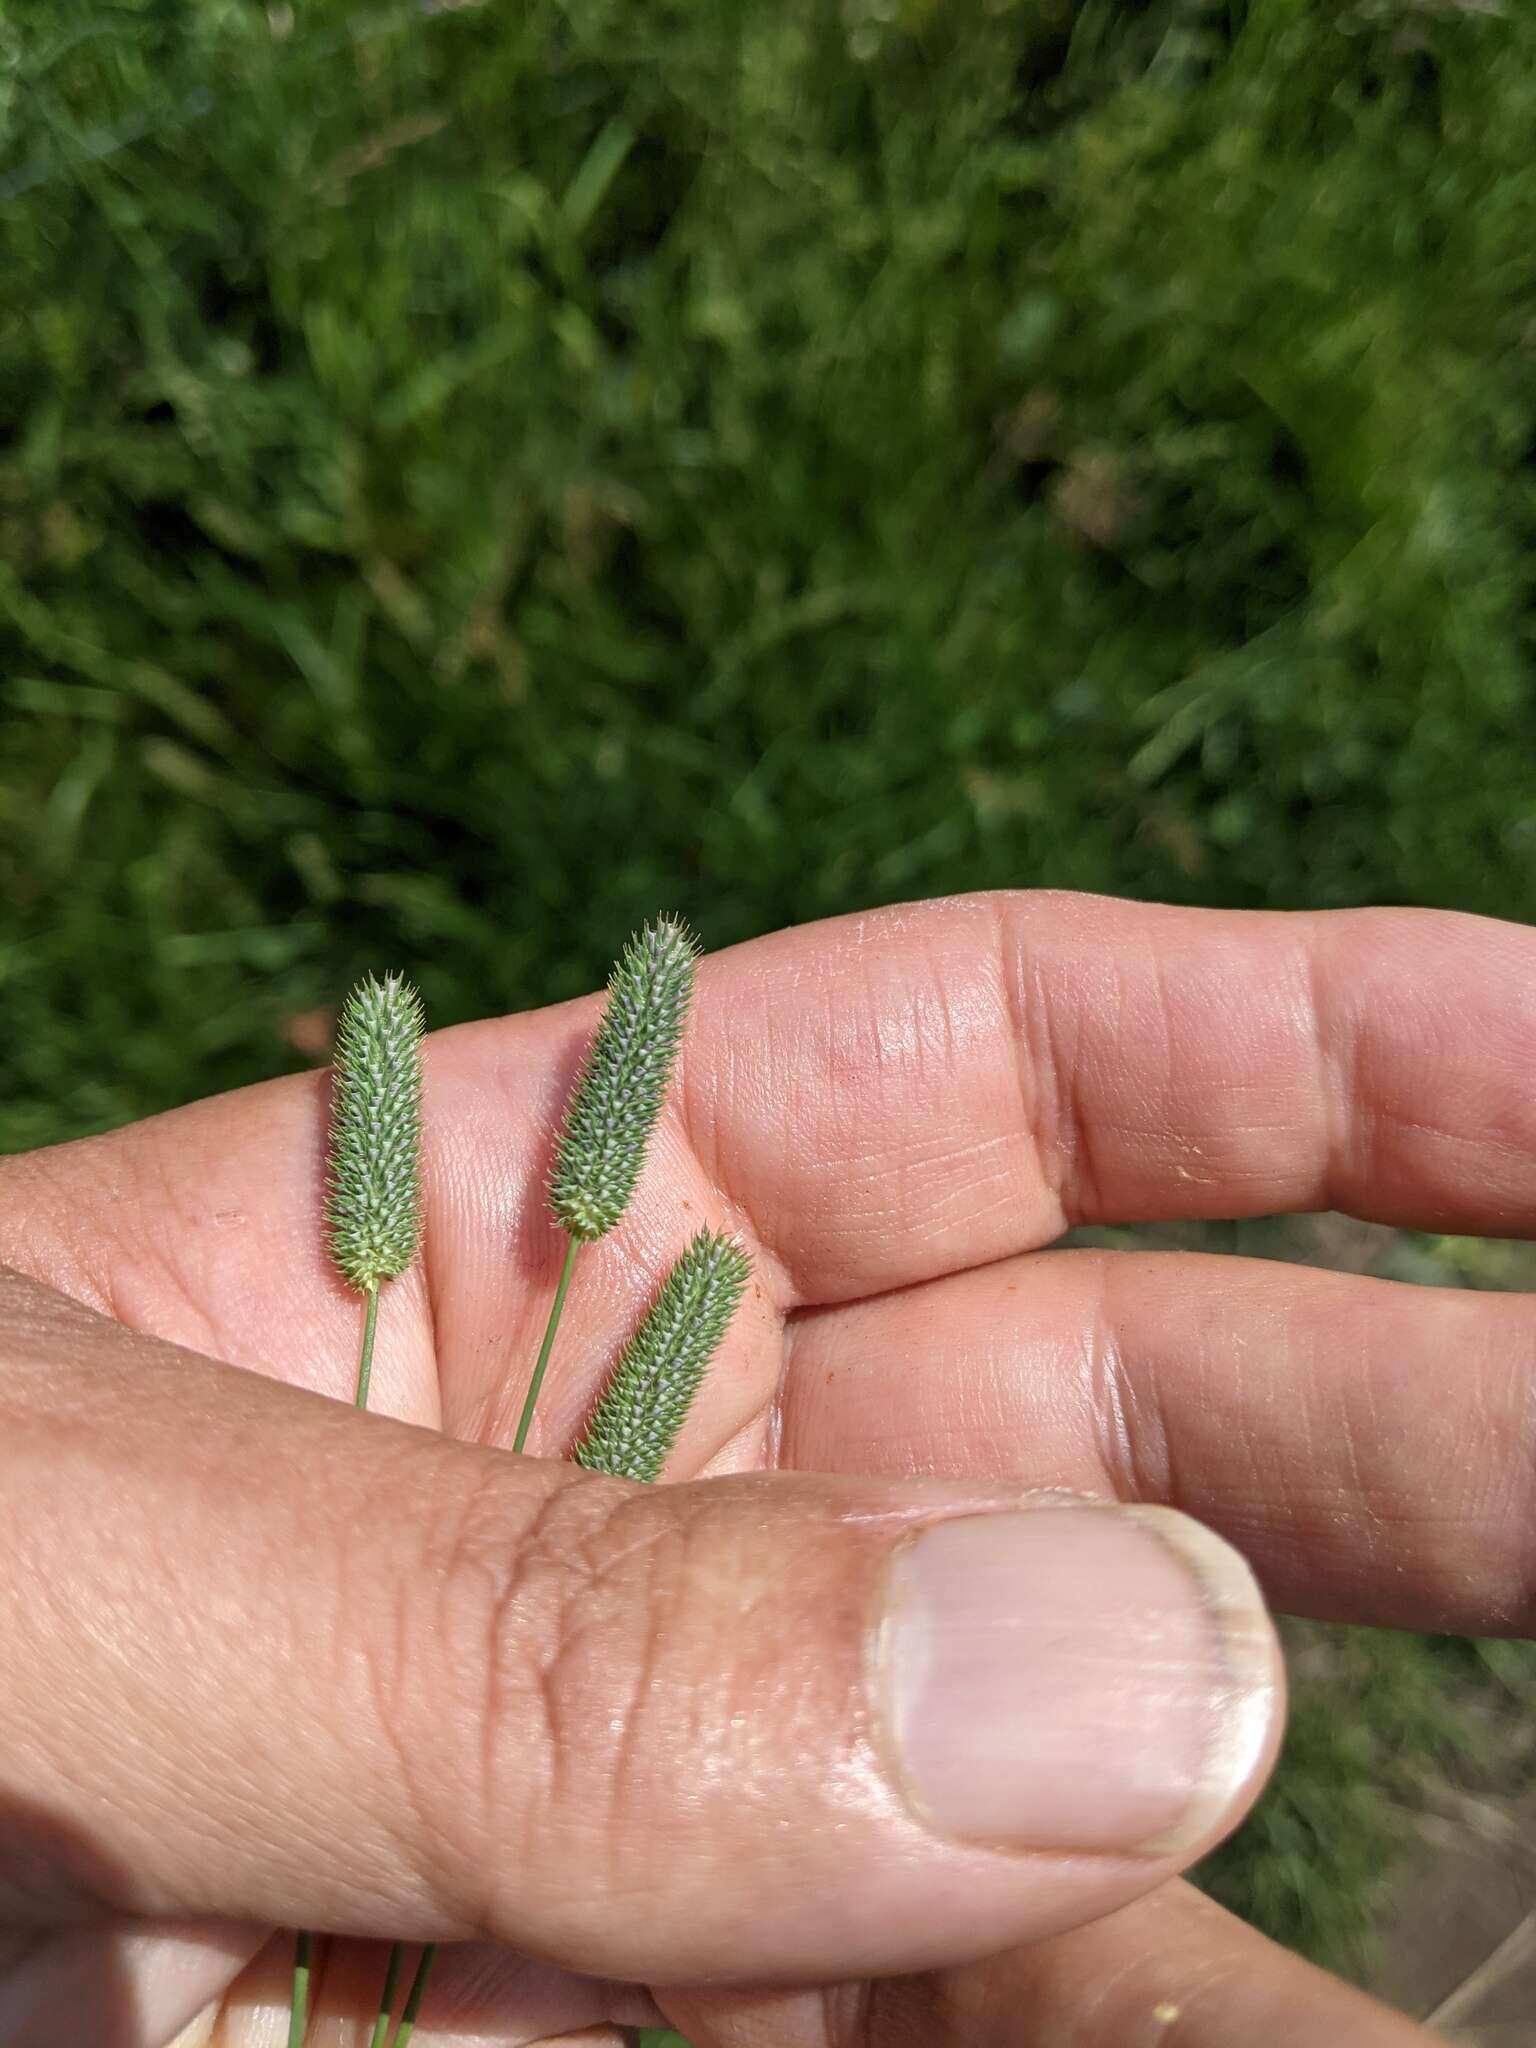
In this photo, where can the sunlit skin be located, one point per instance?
(895, 1112)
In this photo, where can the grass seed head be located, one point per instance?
(614, 1107)
(373, 1207)
(637, 1421)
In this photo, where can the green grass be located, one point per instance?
(470, 477)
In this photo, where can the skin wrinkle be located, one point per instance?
(1068, 1141)
(1390, 1105)
(426, 1261)
(729, 1213)
(598, 1618)
(1196, 1981)
(625, 1796)
(1357, 1430)
(645, 1623)
(467, 1575)
(1354, 1138)
(542, 1553)
(861, 1047)
(698, 1090)
(895, 1062)
(120, 1287)
(773, 1444)
(701, 1088)
(389, 1684)
(1006, 954)
(1104, 1388)
(1116, 1409)
(1312, 1027)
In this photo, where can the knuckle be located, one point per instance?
(545, 1625)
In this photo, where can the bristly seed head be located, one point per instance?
(637, 1421)
(373, 1210)
(614, 1108)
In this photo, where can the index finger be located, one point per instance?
(893, 1096)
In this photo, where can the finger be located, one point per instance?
(119, 1987)
(274, 1660)
(1364, 1443)
(1171, 1971)
(898, 1095)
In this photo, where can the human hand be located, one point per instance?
(274, 1662)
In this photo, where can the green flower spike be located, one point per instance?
(373, 1213)
(614, 1105)
(618, 1098)
(636, 1423)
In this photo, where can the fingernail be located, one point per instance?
(1076, 1678)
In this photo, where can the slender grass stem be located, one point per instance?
(365, 1361)
(407, 2025)
(562, 1288)
(387, 1995)
(298, 2011)
(396, 1948)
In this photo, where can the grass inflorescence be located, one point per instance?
(615, 1105)
(373, 1207)
(612, 1113)
(662, 1367)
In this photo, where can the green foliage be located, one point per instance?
(637, 1420)
(373, 1202)
(618, 1098)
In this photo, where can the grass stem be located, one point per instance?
(365, 1361)
(407, 2025)
(298, 2011)
(387, 1995)
(561, 1290)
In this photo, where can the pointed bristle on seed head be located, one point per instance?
(373, 1205)
(616, 1102)
(636, 1423)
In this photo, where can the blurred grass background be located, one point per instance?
(470, 476)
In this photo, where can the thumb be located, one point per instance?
(274, 1660)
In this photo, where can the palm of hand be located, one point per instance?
(894, 1113)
